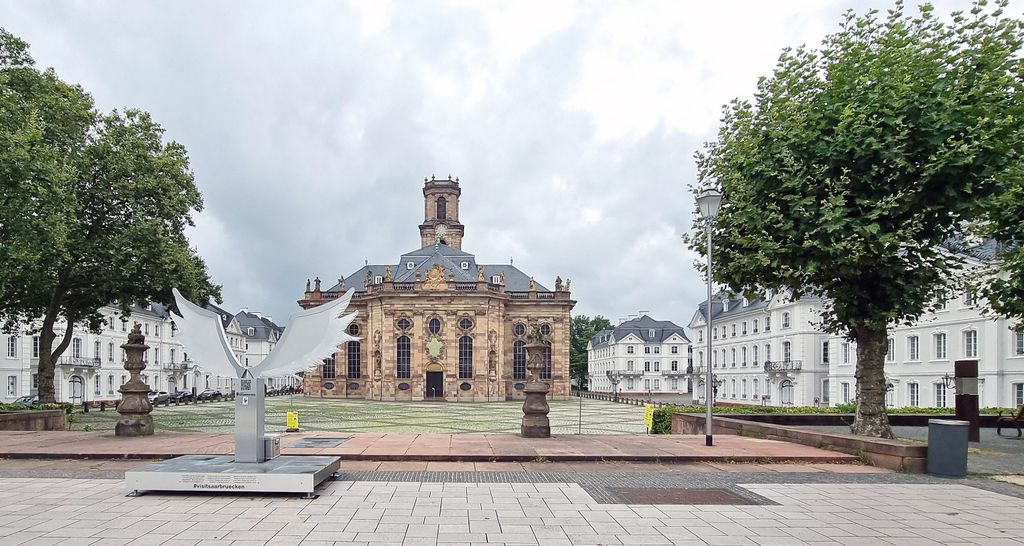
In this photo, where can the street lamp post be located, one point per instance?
(709, 201)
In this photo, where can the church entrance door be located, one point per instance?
(435, 386)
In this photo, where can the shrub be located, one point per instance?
(26, 407)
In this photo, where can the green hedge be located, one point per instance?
(23, 407)
(662, 418)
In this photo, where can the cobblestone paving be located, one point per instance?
(599, 417)
(537, 512)
(993, 455)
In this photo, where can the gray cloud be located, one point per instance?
(311, 126)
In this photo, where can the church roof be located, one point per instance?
(451, 258)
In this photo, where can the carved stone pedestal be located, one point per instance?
(535, 412)
(135, 407)
(535, 408)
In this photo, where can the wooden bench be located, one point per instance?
(1010, 420)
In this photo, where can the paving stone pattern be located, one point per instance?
(315, 414)
(67, 511)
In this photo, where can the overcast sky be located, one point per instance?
(310, 127)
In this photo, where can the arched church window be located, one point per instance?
(442, 208)
(403, 358)
(465, 357)
(545, 372)
(354, 368)
(519, 360)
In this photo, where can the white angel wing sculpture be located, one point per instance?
(202, 334)
(311, 336)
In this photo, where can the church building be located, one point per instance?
(437, 325)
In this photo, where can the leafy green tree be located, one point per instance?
(1003, 286)
(855, 161)
(93, 209)
(583, 328)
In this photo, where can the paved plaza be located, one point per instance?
(531, 508)
(421, 447)
(317, 414)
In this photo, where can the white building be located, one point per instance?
(91, 369)
(764, 351)
(773, 352)
(261, 335)
(638, 357)
(920, 355)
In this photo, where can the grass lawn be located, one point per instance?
(315, 414)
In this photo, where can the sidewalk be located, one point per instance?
(481, 447)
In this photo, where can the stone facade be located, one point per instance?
(439, 326)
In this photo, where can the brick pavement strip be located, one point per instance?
(802, 508)
(472, 447)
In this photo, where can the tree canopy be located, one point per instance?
(583, 328)
(93, 209)
(856, 161)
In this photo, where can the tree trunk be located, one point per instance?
(871, 419)
(48, 356)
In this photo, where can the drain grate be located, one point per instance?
(676, 495)
(319, 443)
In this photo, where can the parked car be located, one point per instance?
(181, 396)
(28, 399)
(158, 397)
(210, 394)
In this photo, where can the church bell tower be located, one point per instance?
(441, 213)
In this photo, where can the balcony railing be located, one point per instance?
(624, 373)
(177, 365)
(674, 373)
(784, 366)
(80, 361)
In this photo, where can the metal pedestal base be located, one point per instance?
(198, 473)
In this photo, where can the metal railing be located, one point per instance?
(784, 366)
(177, 365)
(80, 361)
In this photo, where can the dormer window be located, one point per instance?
(650, 333)
(250, 332)
(464, 265)
(409, 265)
(377, 279)
(495, 279)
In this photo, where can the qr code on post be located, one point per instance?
(246, 384)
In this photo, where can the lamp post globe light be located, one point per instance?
(709, 200)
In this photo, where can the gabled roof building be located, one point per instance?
(640, 356)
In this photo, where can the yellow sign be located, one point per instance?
(292, 420)
(648, 416)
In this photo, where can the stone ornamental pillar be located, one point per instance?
(535, 408)
(135, 407)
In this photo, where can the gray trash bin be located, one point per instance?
(947, 448)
